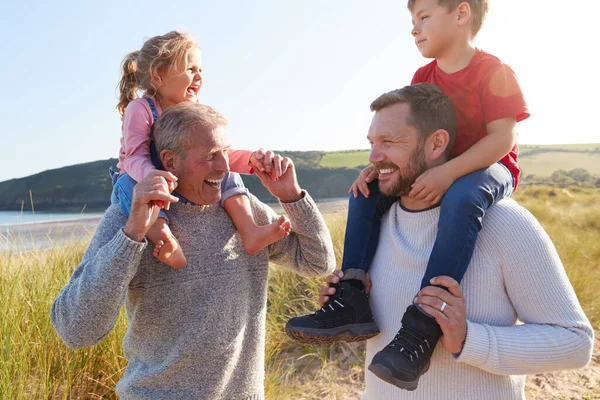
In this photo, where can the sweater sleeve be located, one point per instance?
(239, 161)
(137, 123)
(308, 249)
(555, 334)
(86, 309)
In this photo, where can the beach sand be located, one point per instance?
(47, 235)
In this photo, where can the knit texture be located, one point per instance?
(522, 313)
(196, 332)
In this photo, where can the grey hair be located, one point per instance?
(177, 126)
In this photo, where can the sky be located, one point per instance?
(288, 75)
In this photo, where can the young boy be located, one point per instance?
(484, 169)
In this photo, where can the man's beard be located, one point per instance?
(414, 168)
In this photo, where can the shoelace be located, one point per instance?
(333, 303)
(409, 342)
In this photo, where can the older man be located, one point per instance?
(198, 332)
(515, 275)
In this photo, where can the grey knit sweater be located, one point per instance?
(515, 274)
(197, 332)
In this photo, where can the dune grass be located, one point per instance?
(34, 364)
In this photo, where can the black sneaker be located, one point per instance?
(346, 317)
(403, 361)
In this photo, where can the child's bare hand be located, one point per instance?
(432, 185)
(367, 175)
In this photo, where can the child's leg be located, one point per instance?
(166, 249)
(235, 201)
(122, 193)
(461, 215)
(347, 316)
(362, 230)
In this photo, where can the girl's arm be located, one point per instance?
(137, 123)
(239, 161)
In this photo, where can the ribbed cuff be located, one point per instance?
(477, 345)
(302, 207)
(126, 247)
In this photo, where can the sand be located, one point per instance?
(47, 235)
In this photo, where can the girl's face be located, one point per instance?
(177, 86)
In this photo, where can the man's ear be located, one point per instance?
(463, 13)
(437, 143)
(169, 160)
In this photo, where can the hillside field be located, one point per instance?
(543, 162)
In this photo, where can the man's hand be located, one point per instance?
(267, 161)
(149, 196)
(367, 175)
(286, 187)
(432, 185)
(451, 317)
(335, 277)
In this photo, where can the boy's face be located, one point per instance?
(434, 28)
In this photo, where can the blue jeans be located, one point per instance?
(122, 193)
(461, 214)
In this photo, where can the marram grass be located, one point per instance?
(34, 364)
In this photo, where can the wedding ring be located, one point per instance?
(444, 304)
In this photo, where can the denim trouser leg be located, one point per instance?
(461, 215)
(122, 192)
(363, 226)
(232, 185)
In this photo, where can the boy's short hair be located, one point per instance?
(430, 109)
(479, 9)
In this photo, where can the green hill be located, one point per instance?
(323, 174)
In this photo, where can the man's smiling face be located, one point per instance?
(396, 149)
(202, 167)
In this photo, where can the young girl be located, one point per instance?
(167, 70)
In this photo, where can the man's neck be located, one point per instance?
(456, 57)
(413, 204)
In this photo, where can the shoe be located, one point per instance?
(345, 317)
(403, 361)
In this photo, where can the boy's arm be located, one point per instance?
(137, 122)
(501, 138)
(503, 106)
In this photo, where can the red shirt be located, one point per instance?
(484, 91)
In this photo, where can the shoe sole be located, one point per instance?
(346, 333)
(384, 373)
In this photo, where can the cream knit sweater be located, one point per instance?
(515, 274)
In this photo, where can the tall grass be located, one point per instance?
(34, 364)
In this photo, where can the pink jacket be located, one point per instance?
(134, 155)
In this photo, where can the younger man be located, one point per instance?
(483, 169)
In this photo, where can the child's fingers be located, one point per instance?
(372, 175)
(364, 188)
(417, 188)
(422, 195)
(431, 196)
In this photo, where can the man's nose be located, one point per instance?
(375, 155)
(221, 163)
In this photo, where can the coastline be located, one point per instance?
(32, 236)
